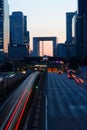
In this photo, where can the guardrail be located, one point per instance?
(36, 119)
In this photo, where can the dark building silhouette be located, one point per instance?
(61, 50)
(17, 53)
(81, 29)
(69, 17)
(70, 34)
(26, 33)
(4, 28)
(82, 7)
(18, 29)
(19, 37)
(78, 35)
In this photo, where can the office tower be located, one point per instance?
(17, 28)
(19, 37)
(81, 43)
(4, 27)
(69, 17)
(16, 53)
(61, 50)
(70, 34)
(26, 33)
(78, 33)
(82, 7)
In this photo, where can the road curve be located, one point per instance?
(12, 110)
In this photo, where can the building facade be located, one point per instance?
(18, 29)
(69, 17)
(70, 43)
(61, 50)
(82, 7)
(19, 37)
(81, 29)
(4, 28)
(26, 33)
(36, 45)
(16, 53)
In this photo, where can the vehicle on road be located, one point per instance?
(71, 74)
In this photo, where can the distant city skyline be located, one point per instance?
(45, 18)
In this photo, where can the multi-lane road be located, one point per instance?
(66, 103)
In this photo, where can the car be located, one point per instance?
(60, 72)
(79, 80)
(71, 74)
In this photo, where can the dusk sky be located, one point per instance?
(45, 17)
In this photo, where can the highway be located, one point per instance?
(11, 112)
(64, 106)
(66, 103)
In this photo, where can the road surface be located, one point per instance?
(66, 104)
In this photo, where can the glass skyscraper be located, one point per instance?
(69, 17)
(4, 26)
(19, 37)
(18, 29)
(26, 33)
